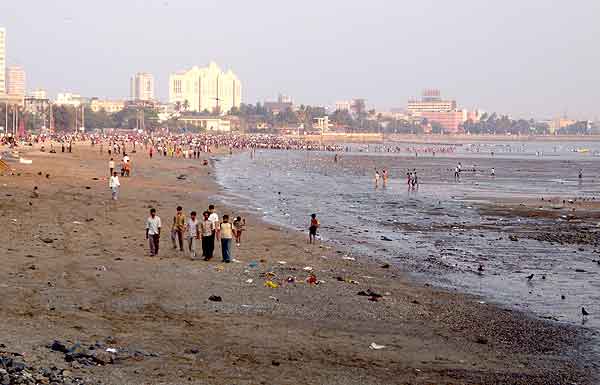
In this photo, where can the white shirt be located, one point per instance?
(111, 164)
(153, 225)
(125, 159)
(214, 218)
(192, 225)
(114, 182)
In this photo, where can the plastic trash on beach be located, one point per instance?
(374, 346)
(312, 279)
(349, 258)
(25, 161)
(111, 350)
(271, 284)
(308, 268)
(250, 280)
(282, 262)
(253, 264)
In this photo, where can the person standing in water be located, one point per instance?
(377, 176)
(493, 172)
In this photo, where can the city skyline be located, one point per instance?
(536, 62)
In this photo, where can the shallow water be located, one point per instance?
(438, 232)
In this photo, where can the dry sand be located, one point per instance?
(95, 280)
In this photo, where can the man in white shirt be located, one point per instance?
(153, 225)
(111, 166)
(114, 185)
(193, 233)
(207, 228)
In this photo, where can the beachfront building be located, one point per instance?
(282, 104)
(70, 99)
(2, 60)
(432, 107)
(15, 81)
(142, 86)
(38, 93)
(110, 106)
(205, 89)
(206, 123)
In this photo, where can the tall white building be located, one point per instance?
(142, 86)
(207, 88)
(2, 60)
(15, 81)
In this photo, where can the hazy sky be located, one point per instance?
(522, 57)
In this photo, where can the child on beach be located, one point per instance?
(312, 229)
(240, 226)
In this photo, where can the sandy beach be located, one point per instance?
(76, 269)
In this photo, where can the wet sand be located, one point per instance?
(76, 268)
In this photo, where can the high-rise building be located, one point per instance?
(142, 86)
(431, 101)
(39, 93)
(15, 81)
(435, 109)
(209, 88)
(2, 60)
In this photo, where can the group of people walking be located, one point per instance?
(186, 231)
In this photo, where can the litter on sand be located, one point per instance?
(111, 350)
(349, 258)
(282, 262)
(271, 284)
(374, 346)
(250, 280)
(308, 268)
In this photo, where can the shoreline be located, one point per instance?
(319, 334)
(448, 139)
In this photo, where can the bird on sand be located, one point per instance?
(584, 312)
(530, 277)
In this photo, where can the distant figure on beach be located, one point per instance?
(415, 180)
(493, 172)
(192, 230)
(385, 177)
(457, 174)
(111, 166)
(377, 176)
(312, 229)
(34, 193)
(335, 158)
(580, 174)
(114, 185)
(207, 228)
(153, 226)
(226, 232)
(178, 228)
(240, 225)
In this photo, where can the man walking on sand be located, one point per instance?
(193, 233)
(178, 228)
(207, 228)
(111, 166)
(226, 234)
(114, 185)
(153, 225)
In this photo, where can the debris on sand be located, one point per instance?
(215, 298)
